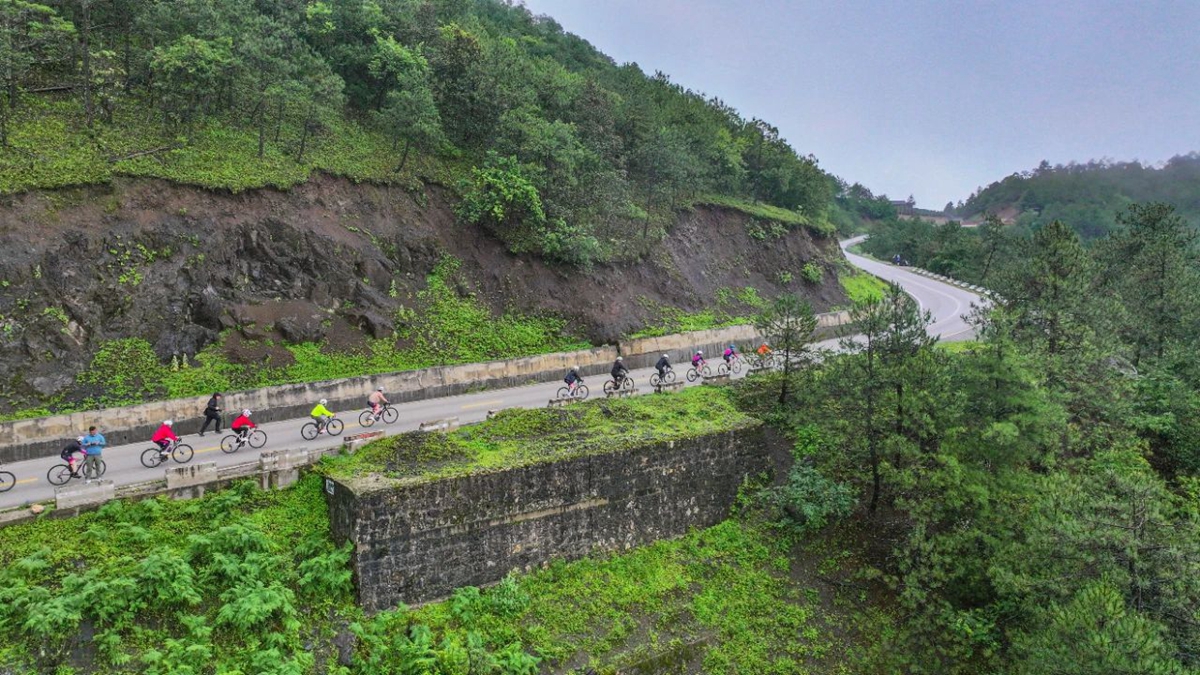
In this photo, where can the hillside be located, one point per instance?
(1089, 196)
(218, 195)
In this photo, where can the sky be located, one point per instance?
(921, 98)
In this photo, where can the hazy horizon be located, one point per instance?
(959, 96)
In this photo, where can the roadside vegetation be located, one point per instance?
(518, 437)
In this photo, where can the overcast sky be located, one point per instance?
(926, 98)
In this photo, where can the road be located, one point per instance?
(946, 303)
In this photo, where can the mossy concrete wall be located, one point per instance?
(415, 541)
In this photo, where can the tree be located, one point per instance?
(788, 324)
(188, 74)
(31, 35)
(410, 114)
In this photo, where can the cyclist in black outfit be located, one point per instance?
(619, 372)
(663, 365)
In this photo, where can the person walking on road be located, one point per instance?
(93, 445)
(212, 414)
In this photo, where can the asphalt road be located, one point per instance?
(946, 303)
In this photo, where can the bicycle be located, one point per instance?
(693, 374)
(611, 387)
(311, 430)
(234, 442)
(388, 414)
(59, 474)
(668, 377)
(734, 365)
(762, 362)
(581, 392)
(8, 480)
(178, 450)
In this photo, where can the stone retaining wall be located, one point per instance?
(418, 542)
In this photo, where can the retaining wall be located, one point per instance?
(45, 436)
(418, 541)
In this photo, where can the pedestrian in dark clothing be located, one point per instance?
(212, 414)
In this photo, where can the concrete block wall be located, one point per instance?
(45, 436)
(416, 543)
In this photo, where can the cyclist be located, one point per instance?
(764, 349)
(376, 401)
(619, 372)
(163, 438)
(663, 365)
(242, 426)
(93, 445)
(321, 415)
(730, 354)
(68, 453)
(698, 361)
(573, 379)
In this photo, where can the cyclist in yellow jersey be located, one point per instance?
(321, 415)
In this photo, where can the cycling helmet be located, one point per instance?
(79, 438)
(574, 369)
(699, 353)
(732, 347)
(324, 401)
(665, 356)
(618, 358)
(168, 422)
(380, 390)
(246, 412)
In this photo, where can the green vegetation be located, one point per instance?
(517, 437)
(770, 214)
(1091, 196)
(558, 151)
(441, 328)
(718, 597)
(731, 307)
(240, 581)
(861, 287)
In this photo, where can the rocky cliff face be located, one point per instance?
(327, 261)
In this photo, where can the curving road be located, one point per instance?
(946, 303)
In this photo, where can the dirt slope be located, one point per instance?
(327, 260)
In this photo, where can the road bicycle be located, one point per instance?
(668, 377)
(234, 442)
(763, 362)
(59, 474)
(693, 374)
(581, 392)
(8, 480)
(311, 430)
(388, 414)
(178, 450)
(611, 387)
(734, 365)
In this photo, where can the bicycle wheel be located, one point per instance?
(390, 415)
(258, 438)
(103, 467)
(151, 458)
(366, 419)
(8, 481)
(609, 388)
(706, 371)
(692, 375)
(309, 431)
(736, 366)
(335, 426)
(229, 444)
(722, 369)
(182, 454)
(563, 392)
(655, 380)
(581, 392)
(59, 474)
(670, 377)
(627, 384)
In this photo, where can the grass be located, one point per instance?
(49, 149)
(793, 219)
(861, 287)
(728, 309)
(719, 598)
(519, 437)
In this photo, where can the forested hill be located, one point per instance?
(1089, 196)
(551, 145)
